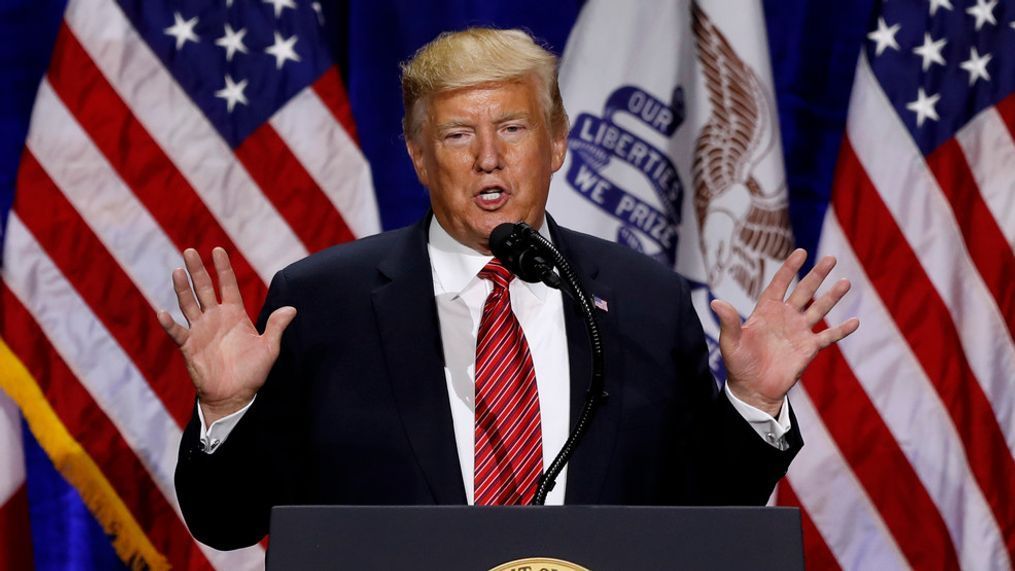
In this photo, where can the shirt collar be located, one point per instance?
(456, 266)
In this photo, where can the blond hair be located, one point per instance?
(477, 56)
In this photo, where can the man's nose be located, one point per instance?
(488, 154)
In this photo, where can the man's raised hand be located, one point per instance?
(768, 353)
(227, 359)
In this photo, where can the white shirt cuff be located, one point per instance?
(770, 429)
(213, 436)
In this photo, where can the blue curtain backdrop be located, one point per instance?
(814, 45)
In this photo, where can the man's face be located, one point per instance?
(486, 155)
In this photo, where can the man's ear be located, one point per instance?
(558, 147)
(418, 160)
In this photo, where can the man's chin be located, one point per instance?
(478, 229)
(491, 222)
(495, 219)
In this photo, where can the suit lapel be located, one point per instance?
(407, 319)
(589, 465)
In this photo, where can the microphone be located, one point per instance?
(521, 250)
(532, 258)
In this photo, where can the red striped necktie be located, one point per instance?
(509, 441)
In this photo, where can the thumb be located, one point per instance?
(729, 322)
(277, 322)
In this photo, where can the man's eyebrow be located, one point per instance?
(454, 124)
(511, 117)
(505, 118)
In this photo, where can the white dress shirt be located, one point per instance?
(460, 296)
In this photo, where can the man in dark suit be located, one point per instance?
(370, 394)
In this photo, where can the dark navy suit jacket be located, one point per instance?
(356, 411)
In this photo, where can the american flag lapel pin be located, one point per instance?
(600, 303)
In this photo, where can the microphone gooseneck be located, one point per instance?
(532, 258)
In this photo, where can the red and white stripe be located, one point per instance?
(830, 493)
(918, 403)
(121, 171)
(988, 148)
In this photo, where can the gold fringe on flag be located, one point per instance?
(77, 467)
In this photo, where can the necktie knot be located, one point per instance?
(496, 273)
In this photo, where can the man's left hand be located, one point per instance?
(767, 354)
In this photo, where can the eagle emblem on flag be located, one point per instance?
(741, 220)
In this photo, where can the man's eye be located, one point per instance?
(514, 128)
(457, 136)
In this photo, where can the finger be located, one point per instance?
(277, 322)
(227, 278)
(804, 290)
(203, 286)
(177, 332)
(185, 296)
(839, 332)
(776, 288)
(729, 321)
(821, 306)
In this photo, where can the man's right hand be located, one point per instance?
(227, 359)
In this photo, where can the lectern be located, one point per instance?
(597, 538)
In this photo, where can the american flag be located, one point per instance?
(910, 423)
(161, 125)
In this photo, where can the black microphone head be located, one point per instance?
(501, 239)
(513, 245)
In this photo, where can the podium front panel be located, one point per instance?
(597, 538)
